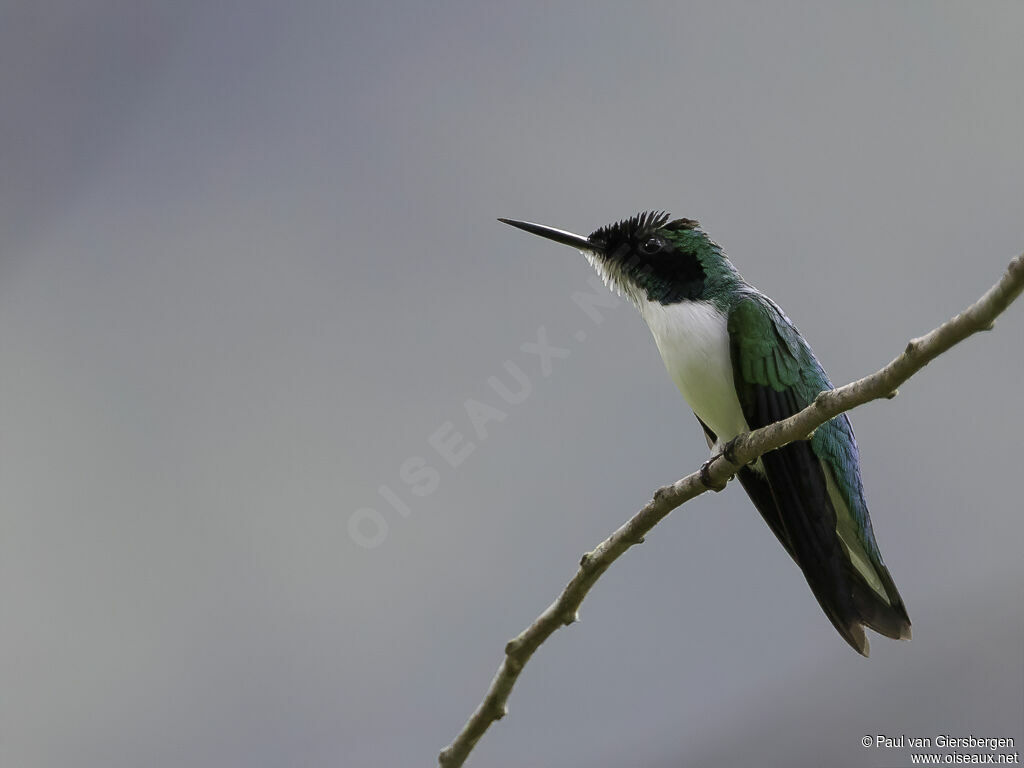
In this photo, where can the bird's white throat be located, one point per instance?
(693, 339)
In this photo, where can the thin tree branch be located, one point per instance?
(919, 352)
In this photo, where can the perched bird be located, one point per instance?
(742, 364)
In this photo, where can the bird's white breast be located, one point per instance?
(693, 339)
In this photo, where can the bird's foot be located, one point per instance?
(705, 476)
(728, 452)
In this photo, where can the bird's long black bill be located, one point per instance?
(558, 235)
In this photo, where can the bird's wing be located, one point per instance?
(815, 505)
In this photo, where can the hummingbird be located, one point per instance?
(740, 363)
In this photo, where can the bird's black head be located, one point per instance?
(649, 256)
(646, 251)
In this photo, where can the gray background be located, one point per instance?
(249, 264)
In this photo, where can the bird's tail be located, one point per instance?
(860, 593)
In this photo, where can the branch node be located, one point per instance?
(820, 401)
(512, 646)
(892, 394)
(585, 560)
(571, 618)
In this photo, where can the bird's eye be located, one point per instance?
(651, 246)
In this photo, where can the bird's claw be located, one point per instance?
(705, 476)
(728, 452)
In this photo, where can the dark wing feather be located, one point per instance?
(776, 375)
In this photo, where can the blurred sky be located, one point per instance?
(250, 273)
